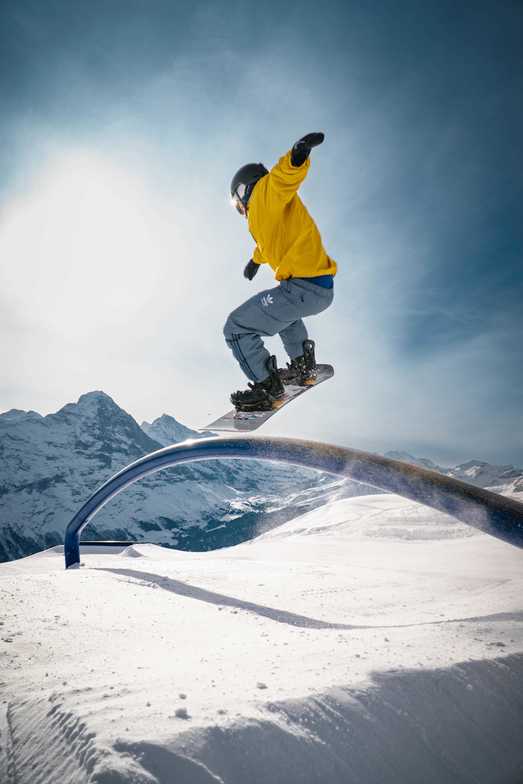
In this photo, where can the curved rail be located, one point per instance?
(499, 516)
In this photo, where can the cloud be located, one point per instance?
(121, 257)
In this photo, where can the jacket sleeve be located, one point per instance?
(285, 179)
(257, 256)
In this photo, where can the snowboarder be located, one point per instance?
(289, 241)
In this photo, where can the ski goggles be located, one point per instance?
(238, 197)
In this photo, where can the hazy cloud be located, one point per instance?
(120, 256)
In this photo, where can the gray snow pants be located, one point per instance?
(278, 310)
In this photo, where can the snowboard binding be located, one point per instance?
(301, 371)
(263, 395)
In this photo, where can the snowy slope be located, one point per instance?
(371, 640)
(51, 464)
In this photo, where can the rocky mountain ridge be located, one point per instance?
(504, 479)
(51, 464)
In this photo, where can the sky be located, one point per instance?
(122, 124)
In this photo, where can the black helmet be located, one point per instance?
(244, 181)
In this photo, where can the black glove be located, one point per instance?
(251, 269)
(301, 150)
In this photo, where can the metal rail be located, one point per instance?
(492, 513)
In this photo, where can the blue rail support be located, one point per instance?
(492, 513)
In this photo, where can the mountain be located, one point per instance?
(505, 479)
(51, 464)
(423, 462)
(502, 479)
(167, 430)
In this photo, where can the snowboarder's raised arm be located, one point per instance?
(288, 174)
(285, 179)
(257, 256)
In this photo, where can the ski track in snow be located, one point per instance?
(369, 641)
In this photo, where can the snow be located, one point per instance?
(370, 640)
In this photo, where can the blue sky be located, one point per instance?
(120, 257)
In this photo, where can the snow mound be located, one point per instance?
(375, 516)
(318, 652)
(132, 552)
(428, 726)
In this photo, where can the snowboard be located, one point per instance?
(246, 421)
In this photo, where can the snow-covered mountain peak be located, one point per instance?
(18, 415)
(92, 403)
(101, 425)
(472, 467)
(501, 478)
(95, 398)
(472, 464)
(405, 457)
(488, 475)
(167, 430)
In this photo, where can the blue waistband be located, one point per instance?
(325, 281)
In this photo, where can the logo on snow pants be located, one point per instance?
(267, 300)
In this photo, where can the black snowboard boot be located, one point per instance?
(302, 371)
(261, 395)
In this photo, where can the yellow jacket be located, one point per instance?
(285, 234)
